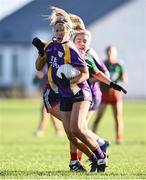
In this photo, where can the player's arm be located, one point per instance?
(124, 78)
(102, 77)
(40, 62)
(42, 58)
(105, 70)
(84, 75)
(84, 72)
(96, 73)
(81, 66)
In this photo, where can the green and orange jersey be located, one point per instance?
(115, 70)
(109, 95)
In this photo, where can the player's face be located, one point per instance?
(61, 32)
(112, 53)
(82, 42)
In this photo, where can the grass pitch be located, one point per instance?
(22, 155)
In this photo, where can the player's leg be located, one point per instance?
(66, 107)
(93, 107)
(102, 143)
(75, 163)
(91, 113)
(98, 117)
(78, 118)
(118, 116)
(43, 122)
(51, 101)
(73, 130)
(75, 142)
(54, 110)
(53, 107)
(57, 125)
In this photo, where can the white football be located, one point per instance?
(68, 70)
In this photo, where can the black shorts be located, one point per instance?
(50, 98)
(66, 103)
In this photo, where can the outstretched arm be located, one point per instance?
(103, 78)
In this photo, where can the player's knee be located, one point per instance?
(76, 130)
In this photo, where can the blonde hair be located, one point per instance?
(79, 27)
(78, 23)
(60, 16)
(73, 22)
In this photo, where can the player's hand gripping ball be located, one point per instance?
(65, 73)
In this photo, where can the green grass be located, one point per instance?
(22, 155)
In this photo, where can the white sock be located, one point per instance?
(100, 141)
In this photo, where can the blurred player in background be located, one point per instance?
(41, 81)
(110, 96)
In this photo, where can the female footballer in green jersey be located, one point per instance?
(110, 96)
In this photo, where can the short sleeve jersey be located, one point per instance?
(59, 54)
(93, 68)
(116, 72)
(91, 64)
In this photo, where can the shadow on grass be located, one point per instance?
(63, 174)
(31, 173)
